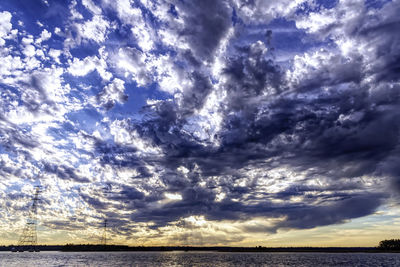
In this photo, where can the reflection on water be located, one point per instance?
(214, 259)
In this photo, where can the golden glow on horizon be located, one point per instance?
(197, 231)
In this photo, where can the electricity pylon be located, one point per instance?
(28, 238)
(104, 236)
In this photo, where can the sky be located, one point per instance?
(212, 122)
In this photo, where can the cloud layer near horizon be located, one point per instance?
(165, 115)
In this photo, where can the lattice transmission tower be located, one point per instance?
(104, 236)
(28, 238)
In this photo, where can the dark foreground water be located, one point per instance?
(215, 259)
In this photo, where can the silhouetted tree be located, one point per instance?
(392, 244)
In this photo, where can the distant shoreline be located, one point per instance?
(95, 248)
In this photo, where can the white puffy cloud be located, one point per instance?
(360, 34)
(328, 65)
(55, 54)
(95, 29)
(334, 22)
(79, 67)
(91, 6)
(77, 31)
(29, 51)
(132, 63)
(260, 11)
(45, 35)
(112, 93)
(5, 25)
(10, 65)
(144, 35)
(126, 12)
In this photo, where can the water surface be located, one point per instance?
(179, 258)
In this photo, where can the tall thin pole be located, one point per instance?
(104, 236)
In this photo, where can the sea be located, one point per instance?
(203, 258)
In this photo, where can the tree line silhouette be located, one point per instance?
(391, 244)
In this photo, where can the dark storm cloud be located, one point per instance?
(321, 143)
(251, 72)
(11, 134)
(206, 22)
(194, 97)
(305, 217)
(64, 172)
(95, 200)
(387, 40)
(65, 225)
(337, 121)
(16, 143)
(34, 94)
(348, 208)
(117, 155)
(128, 193)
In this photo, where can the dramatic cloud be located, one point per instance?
(174, 118)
